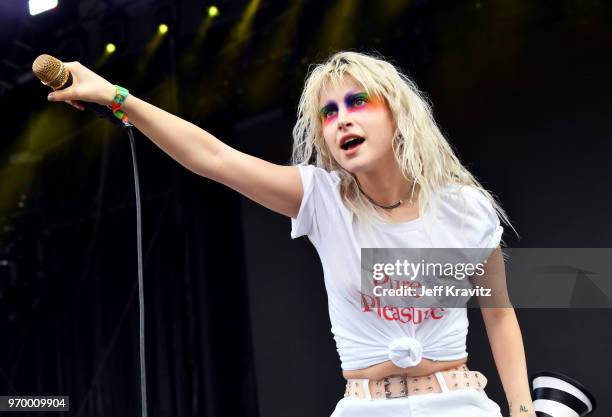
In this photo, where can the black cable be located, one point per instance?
(141, 324)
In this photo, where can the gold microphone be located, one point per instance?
(53, 73)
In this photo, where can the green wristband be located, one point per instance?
(121, 95)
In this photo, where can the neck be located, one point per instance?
(386, 186)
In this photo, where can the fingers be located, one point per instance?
(73, 68)
(63, 95)
(71, 65)
(67, 94)
(76, 104)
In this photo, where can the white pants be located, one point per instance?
(466, 402)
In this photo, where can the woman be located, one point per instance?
(383, 176)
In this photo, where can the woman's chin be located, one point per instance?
(359, 166)
(353, 167)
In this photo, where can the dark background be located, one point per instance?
(236, 312)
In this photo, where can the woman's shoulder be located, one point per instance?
(319, 175)
(465, 198)
(472, 212)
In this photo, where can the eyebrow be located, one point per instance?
(347, 97)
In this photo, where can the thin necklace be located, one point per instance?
(392, 206)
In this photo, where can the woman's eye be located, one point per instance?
(359, 101)
(327, 113)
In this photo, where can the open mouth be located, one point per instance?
(352, 143)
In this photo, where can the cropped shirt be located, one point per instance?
(456, 217)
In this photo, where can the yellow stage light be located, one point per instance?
(162, 29)
(213, 11)
(110, 48)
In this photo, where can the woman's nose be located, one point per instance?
(343, 119)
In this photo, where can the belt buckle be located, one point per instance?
(403, 392)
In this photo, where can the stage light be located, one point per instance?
(142, 66)
(336, 34)
(213, 11)
(114, 36)
(272, 64)
(190, 57)
(240, 31)
(39, 6)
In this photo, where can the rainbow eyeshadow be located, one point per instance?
(353, 102)
(329, 112)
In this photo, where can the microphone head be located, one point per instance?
(50, 71)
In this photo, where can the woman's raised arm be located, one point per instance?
(276, 187)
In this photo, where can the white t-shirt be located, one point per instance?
(368, 336)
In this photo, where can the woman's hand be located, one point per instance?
(86, 86)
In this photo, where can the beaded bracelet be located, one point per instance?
(120, 96)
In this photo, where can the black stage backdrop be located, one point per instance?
(236, 312)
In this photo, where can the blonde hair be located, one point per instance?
(421, 151)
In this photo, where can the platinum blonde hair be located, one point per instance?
(422, 153)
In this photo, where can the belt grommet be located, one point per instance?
(429, 378)
(467, 384)
(456, 385)
(415, 380)
(454, 375)
(430, 388)
(402, 381)
(387, 392)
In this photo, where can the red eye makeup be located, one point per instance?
(329, 112)
(353, 102)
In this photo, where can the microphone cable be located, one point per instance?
(141, 305)
(140, 267)
(52, 72)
